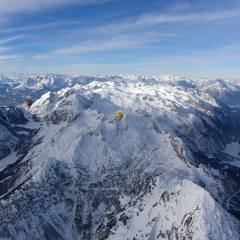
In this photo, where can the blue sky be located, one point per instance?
(189, 38)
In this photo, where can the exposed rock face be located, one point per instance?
(181, 212)
(70, 170)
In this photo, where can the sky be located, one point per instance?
(198, 38)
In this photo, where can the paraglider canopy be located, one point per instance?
(119, 116)
(28, 102)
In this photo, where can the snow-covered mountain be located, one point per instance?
(168, 170)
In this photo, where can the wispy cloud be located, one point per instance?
(4, 49)
(114, 43)
(227, 56)
(153, 19)
(179, 38)
(198, 16)
(16, 6)
(5, 58)
(10, 39)
(32, 27)
(201, 64)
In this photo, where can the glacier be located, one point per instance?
(70, 170)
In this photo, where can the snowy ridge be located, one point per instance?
(185, 211)
(160, 173)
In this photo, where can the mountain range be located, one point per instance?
(70, 170)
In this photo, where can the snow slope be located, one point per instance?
(185, 211)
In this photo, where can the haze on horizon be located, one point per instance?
(184, 37)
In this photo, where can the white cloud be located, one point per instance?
(18, 6)
(153, 19)
(4, 49)
(115, 43)
(187, 17)
(5, 58)
(32, 27)
(10, 39)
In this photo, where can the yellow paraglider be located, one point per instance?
(119, 116)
